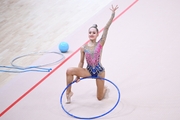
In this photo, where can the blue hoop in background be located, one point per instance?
(94, 116)
(37, 68)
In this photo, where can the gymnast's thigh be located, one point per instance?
(77, 71)
(99, 82)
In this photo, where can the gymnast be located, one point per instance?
(92, 52)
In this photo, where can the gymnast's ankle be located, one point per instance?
(68, 96)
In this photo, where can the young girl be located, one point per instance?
(92, 51)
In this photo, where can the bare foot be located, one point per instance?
(69, 97)
(106, 92)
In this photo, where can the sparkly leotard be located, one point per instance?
(93, 59)
(93, 55)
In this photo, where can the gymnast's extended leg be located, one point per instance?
(70, 73)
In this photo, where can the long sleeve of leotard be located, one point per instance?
(106, 28)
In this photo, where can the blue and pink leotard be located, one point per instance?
(93, 59)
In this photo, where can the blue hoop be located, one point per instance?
(95, 116)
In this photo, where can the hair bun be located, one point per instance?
(95, 25)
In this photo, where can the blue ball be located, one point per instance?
(63, 47)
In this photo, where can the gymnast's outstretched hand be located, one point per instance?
(113, 9)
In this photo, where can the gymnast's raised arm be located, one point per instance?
(106, 28)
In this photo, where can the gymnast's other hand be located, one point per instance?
(77, 79)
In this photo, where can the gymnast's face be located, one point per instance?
(93, 34)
